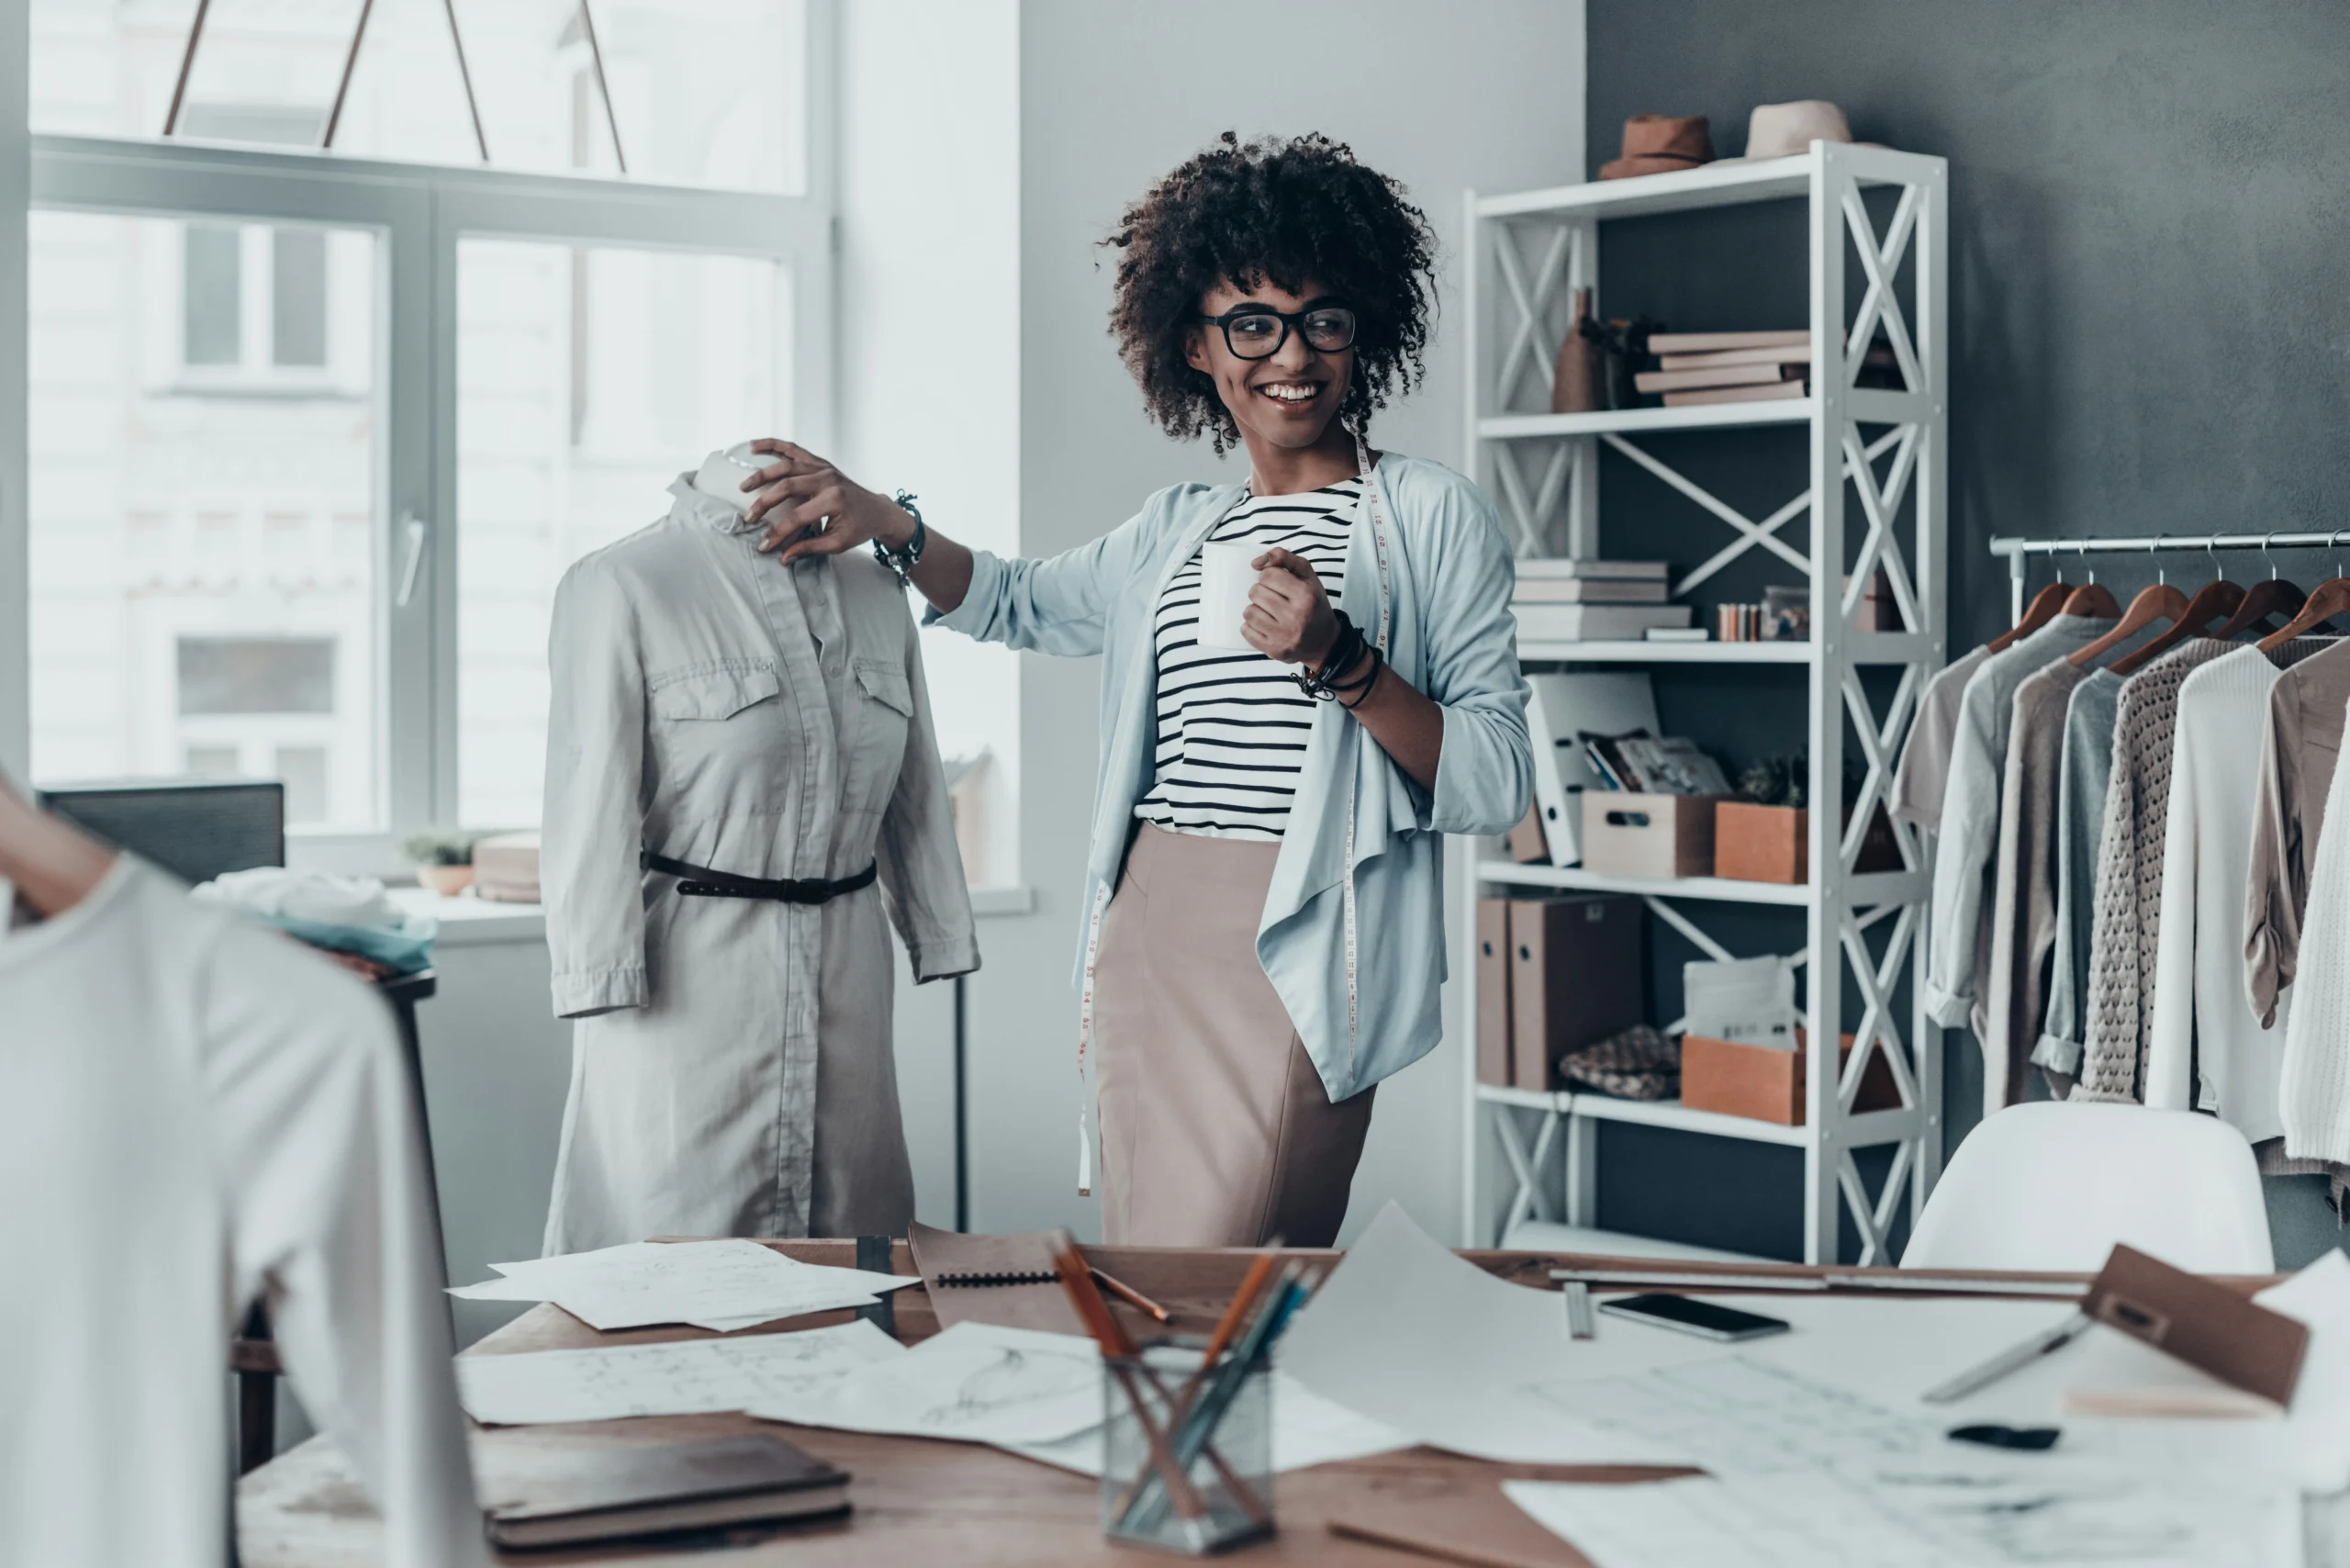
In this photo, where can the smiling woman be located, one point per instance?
(1263, 924)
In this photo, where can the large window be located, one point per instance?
(586, 379)
(314, 434)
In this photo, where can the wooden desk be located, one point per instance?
(917, 1503)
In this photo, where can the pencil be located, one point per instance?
(1252, 1285)
(1128, 1294)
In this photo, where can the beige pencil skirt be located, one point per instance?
(1216, 1129)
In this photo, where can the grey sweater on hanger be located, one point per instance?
(1970, 818)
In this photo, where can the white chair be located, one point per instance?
(2054, 1185)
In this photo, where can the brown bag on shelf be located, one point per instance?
(1574, 389)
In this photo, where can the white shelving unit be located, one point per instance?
(1869, 449)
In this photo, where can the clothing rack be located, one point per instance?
(2017, 550)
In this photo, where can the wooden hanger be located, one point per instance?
(2330, 598)
(2215, 601)
(2094, 600)
(53, 864)
(2160, 603)
(2045, 606)
(2269, 596)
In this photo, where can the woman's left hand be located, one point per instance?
(1289, 617)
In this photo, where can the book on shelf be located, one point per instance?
(1589, 591)
(1717, 375)
(1776, 391)
(1557, 566)
(1799, 354)
(1678, 634)
(1792, 353)
(1594, 622)
(1670, 765)
(1600, 752)
(649, 1490)
(1709, 343)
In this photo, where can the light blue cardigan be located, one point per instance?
(1357, 963)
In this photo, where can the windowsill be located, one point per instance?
(469, 922)
(1015, 900)
(263, 391)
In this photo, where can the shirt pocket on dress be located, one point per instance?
(883, 706)
(707, 694)
(716, 738)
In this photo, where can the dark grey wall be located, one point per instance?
(2150, 271)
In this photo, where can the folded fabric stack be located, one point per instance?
(1588, 601)
(1696, 368)
(347, 917)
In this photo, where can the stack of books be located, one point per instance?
(1694, 368)
(1593, 601)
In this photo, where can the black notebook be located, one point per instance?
(671, 1486)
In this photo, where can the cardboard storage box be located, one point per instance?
(1575, 978)
(1773, 844)
(1628, 834)
(1765, 1084)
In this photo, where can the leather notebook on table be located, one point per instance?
(673, 1486)
(1007, 1280)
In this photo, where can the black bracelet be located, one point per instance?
(1345, 649)
(1378, 663)
(902, 561)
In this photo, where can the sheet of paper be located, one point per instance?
(1818, 1520)
(1307, 1431)
(2114, 1374)
(976, 1382)
(2317, 1427)
(721, 1285)
(689, 1377)
(1807, 1468)
(1408, 1334)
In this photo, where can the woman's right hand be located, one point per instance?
(812, 509)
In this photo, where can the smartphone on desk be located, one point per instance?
(1707, 1319)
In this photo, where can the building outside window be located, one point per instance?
(310, 453)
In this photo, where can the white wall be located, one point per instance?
(1481, 93)
(929, 330)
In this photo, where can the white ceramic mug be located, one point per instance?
(1225, 576)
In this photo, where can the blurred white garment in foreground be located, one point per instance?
(195, 1112)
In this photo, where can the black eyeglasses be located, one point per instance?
(1257, 331)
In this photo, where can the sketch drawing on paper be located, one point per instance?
(1013, 1378)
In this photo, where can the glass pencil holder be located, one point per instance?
(1187, 1459)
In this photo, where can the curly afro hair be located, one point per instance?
(1285, 212)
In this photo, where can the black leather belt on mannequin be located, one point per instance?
(702, 883)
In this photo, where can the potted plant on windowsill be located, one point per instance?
(443, 860)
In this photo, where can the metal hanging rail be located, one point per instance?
(2018, 551)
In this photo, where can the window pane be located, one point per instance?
(587, 380)
(704, 95)
(202, 549)
(211, 294)
(297, 283)
(303, 770)
(256, 675)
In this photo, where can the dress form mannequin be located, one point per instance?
(722, 473)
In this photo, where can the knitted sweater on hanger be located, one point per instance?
(2129, 873)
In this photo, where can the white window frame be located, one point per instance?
(419, 214)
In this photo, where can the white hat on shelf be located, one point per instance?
(1782, 130)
